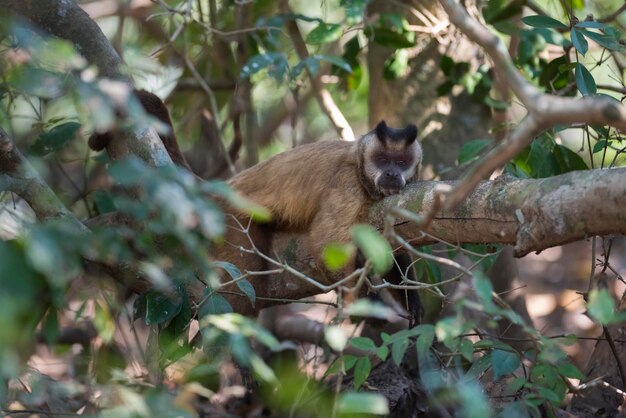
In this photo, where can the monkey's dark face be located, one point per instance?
(390, 159)
(394, 168)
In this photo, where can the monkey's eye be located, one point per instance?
(401, 162)
(384, 160)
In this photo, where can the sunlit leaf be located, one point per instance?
(354, 10)
(336, 256)
(397, 65)
(601, 306)
(336, 338)
(324, 33)
(374, 247)
(362, 403)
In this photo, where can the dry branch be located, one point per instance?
(544, 111)
(322, 95)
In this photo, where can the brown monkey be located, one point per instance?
(321, 189)
(325, 188)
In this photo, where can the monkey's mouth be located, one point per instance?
(389, 191)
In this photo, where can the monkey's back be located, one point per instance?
(293, 184)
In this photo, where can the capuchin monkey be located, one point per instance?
(320, 189)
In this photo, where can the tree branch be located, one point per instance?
(544, 111)
(531, 214)
(19, 177)
(64, 19)
(322, 95)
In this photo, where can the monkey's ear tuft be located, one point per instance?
(382, 131)
(410, 132)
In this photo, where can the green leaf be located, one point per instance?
(246, 287)
(590, 24)
(366, 307)
(516, 384)
(398, 349)
(50, 326)
(161, 308)
(599, 146)
(274, 62)
(484, 290)
(601, 306)
(496, 11)
(472, 149)
(569, 339)
(474, 403)
(104, 202)
(569, 370)
(541, 159)
(382, 352)
(362, 370)
(54, 139)
(374, 247)
(579, 41)
(336, 61)
(354, 10)
(104, 322)
(466, 348)
(556, 74)
(336, 338)
(390, 38)
(213, 305)
(479, 366)
(341, 364)
(584, 80)
(397, 65)
(336, 256)
(232, 270)
(324, 33)
(604, 40)
(568, 160)
(504, 362)
(539, 21)
(362, 403)
(363, 343)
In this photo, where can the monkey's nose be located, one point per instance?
(392, 174)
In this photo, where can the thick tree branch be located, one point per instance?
(19, 177)
(531, 214)
(544, 111)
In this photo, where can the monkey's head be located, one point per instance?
(388, 159)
